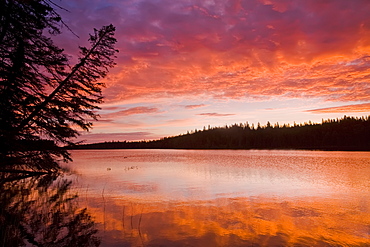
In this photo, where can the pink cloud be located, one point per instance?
(213, 114)
(194, 106)
(344, 109)
(131, 111)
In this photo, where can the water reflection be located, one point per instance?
(41, 211)
(234, 222)
(226, 198)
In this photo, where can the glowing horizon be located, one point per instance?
(187, 64)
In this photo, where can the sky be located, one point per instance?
(188, 64)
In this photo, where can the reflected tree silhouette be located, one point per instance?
(42, 211)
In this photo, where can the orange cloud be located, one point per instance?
(234, 49)
(344, 109)
(238, 49)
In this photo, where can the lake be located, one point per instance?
(197, 198)
(225, 197)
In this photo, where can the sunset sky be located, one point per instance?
(185, 64)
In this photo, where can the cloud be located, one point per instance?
(131, 111)
(344, 109)
(194, 106)
(234, 49)
(213, 114)
(112, 108)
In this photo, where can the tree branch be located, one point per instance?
(47, 100)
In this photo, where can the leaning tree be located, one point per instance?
(44, 100)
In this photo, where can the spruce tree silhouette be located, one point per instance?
(44, 100)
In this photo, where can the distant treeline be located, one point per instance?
(347, 133)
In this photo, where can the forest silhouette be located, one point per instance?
(347, 133)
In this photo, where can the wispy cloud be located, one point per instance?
(213, 114)
(344, 109)
(131, 111)
(194, 106)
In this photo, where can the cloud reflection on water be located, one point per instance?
(228, 197)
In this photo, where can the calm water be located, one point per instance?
(193, 198)
(225, 197)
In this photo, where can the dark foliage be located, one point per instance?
(44, 100)
(41, 211)
(348, 133)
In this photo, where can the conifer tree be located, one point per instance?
(43, 99)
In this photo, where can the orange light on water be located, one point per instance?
(224, 221)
